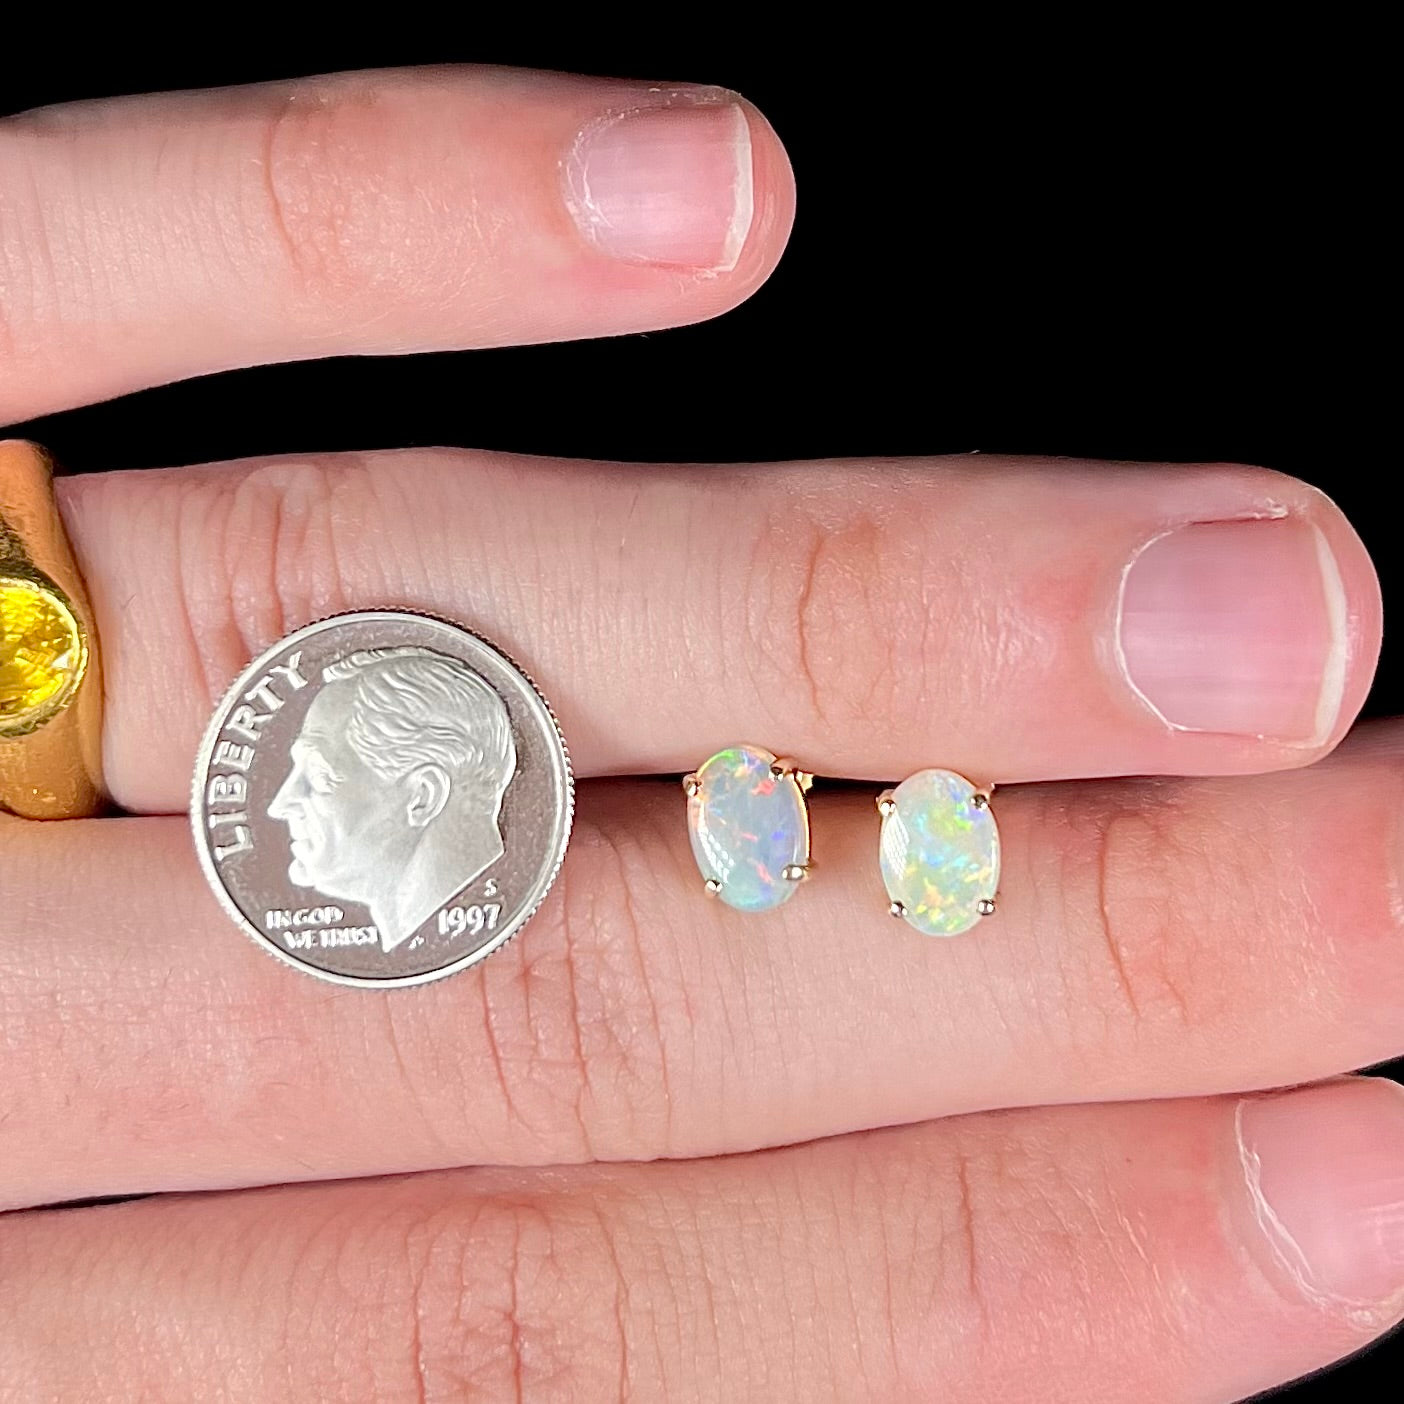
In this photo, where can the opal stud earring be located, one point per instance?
(939, 852)
(749, 824)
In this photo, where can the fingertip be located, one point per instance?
(1253, 624)
(1323, 1168)
(682, 194)
(1355, 605)
(773, 206)
(1352, 610)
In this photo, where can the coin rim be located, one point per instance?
(206, 750)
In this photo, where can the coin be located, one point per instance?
(382, 798)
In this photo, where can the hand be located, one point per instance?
(1071, 1199)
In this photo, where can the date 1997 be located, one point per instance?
(471, 921)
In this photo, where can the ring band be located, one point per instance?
(50, 674)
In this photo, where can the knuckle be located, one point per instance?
(827, 611)
(535, 1074)
(992, 1227)
(1024, 1199)
(580, 1026)
(305, 190)
(1127, 878)
(935, 1247)
(335, 176)
(611, 1014)
(513, 1299)
(261, 549)
(951, 1205)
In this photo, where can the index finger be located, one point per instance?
(153, 238)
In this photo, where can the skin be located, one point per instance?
(649, 1150)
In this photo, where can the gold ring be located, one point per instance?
(50, 678)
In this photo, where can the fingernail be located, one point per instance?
(1325, 1173)
(666, 185)
(1237, 627)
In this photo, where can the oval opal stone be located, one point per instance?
(940, 852)
(748, 826)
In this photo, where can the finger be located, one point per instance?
(1011, 619)
(151, 238)
(1199, 1250)
(1152, 940)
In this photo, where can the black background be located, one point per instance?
(1165, 244)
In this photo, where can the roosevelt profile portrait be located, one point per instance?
(394, 795)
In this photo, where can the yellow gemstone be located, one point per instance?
(41, 655)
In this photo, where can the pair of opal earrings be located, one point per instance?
(938, 847)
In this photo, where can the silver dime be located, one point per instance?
(382, 798)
